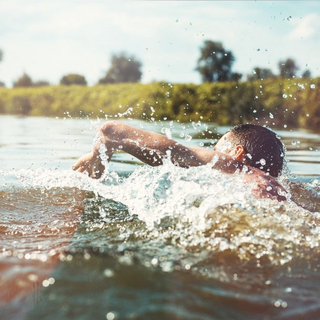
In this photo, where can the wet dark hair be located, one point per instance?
(263, 148)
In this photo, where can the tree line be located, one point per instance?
(276, 102)
(124, 68)
(215, 64)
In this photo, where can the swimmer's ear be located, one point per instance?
(238, 152)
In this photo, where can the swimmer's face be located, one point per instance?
(224, 145)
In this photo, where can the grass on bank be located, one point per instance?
(295, 102)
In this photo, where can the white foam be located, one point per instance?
(198, 208)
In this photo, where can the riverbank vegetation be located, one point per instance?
(277, 102)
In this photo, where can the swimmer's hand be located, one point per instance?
(265, 185)
(90, 163)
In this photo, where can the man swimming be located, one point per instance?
(252, 150)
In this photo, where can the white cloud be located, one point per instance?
(51, 38)
(306, 27)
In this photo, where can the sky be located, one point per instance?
(48, 39)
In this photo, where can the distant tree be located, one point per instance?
(72, 78)
(288, 68)
(306, 74)
(260, 74)
(21, 105)
(124, 68)
(215, 63)
(41, 83)
(2, 84)
(236, 76)
(23, 81)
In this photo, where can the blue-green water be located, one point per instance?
(151, 243)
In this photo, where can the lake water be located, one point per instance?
(151, 243)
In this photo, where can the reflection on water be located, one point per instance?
(151, 243)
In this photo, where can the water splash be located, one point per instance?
(198, 209)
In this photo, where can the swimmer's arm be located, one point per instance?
(151, 148)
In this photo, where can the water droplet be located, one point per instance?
(289, 18)
(177, 20)
(258, 49)
(307, 114)
(32, 277)
(285, 126)
(312, 86)
(284, 96)
(110, 316)
(167, 132)
(108, 273)
(271, 115)
(254, 111)
(263, 162)
(188, 137)
(45, 283)
(277, 303)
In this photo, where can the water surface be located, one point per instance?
(151, 243)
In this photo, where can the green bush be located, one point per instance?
(276, 102)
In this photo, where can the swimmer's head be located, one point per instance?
(255, 146)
